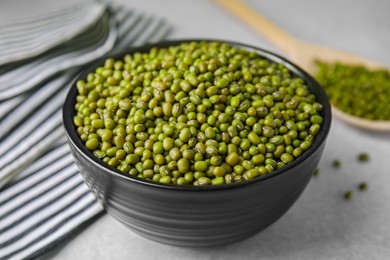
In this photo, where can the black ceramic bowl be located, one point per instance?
(193, 215)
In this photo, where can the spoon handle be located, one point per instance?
(261, 24)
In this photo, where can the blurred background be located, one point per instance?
(322, 224)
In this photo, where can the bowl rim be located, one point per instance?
(73, 138)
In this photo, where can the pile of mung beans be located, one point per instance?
(356, 90)
(199, 113)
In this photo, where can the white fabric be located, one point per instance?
(43, 198)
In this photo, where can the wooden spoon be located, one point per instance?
(304, 54)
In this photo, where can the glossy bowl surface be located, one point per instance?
(189, 215)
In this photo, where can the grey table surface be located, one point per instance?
(321, 225)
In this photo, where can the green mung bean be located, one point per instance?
(363, 157)
(363, 186)
(348, 195)
(336, 163)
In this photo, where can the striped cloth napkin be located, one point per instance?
(43, 199)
